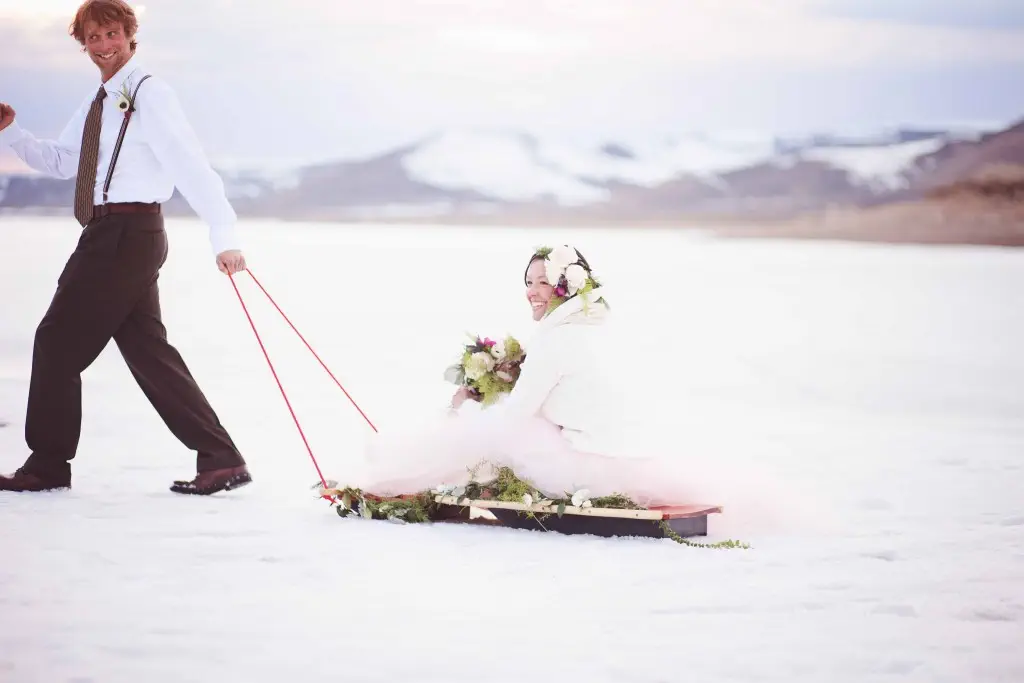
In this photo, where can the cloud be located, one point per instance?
(1000, 15)
(264, 79)
(513, 39)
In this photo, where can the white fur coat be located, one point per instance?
(562, 379)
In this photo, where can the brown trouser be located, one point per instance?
(108, 290)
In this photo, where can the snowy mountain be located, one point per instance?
(518, 167)
(511, 173)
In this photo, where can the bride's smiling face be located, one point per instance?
(538, 290)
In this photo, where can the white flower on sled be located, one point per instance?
(581, 499)
(536, 499)
(478, 365)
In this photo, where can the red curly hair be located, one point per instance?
(105, 12)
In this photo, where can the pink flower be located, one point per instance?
(488, 342)
(560, 291)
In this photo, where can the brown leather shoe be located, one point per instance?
(212, 481)
(27, 481)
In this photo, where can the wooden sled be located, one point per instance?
(683, 520)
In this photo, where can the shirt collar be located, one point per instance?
(124, 74)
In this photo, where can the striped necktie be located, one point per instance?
(88, 157)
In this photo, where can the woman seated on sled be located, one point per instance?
(551, 428)
(562, 383)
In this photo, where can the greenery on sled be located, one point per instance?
(505, 486)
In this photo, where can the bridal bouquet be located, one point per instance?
(488, 367)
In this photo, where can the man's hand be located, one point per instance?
(6, 115)
(230, 262)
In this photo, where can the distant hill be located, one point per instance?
(512, 176)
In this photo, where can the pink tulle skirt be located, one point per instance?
(449, 450)
(445, 450)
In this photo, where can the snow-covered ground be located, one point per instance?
(867, 400)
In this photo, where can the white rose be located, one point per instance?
(576, 276)
(563, 255)
(553, 271)
(498, 350)
(478, 365)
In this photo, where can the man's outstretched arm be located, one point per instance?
(57, 158)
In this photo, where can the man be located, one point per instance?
(108, 289)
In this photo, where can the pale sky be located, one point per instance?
(313, 79)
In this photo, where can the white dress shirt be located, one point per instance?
(160, 152)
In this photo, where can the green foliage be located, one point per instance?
(616, 500)
(510, 488)
(554, 302)
(513, 349)
(589, 286)
(504, 486)
(720, 545)
(500, 379)
(490, 387)
(416, 509)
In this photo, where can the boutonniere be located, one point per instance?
(124, 98)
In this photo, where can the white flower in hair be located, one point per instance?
(554, 272)
(576, 277)
(562, 256)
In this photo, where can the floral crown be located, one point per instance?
(568, 272)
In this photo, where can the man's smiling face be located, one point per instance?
(108, 46)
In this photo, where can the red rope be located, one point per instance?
(322, 364)
(274, 372)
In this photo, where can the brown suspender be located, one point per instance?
(120, 139)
